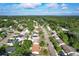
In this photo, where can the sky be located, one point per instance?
(59, 9)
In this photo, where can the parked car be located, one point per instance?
(61, 53)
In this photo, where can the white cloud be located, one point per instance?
(52, 5)
(29, 5)
(64, 6)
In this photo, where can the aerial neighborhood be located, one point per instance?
(39, 36)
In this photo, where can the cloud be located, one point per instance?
(64, 6)
(52, 5)
(29, 5)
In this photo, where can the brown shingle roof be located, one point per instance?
(65, 48)
(35, 48)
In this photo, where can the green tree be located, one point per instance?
(56, 45)
(42, 43)
(23, 49)
(3, 50)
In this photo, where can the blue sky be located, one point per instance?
(39, 9)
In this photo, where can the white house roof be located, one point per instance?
(20, 39)
(64, 29)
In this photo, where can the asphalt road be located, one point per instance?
(60, 42)
(50, 45)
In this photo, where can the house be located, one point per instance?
(64, 29)
(35, 37)
(11, 41)
(0, 29)
(65, 48)
(19, 39)
(60, 41)
(27, 31)
(10, 50)
(73, 54)
(49, 29)
(15, 35)
(35, 49)
(5, 19)
(15, 21)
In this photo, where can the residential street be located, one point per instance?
(50, 46)
(65, 47)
